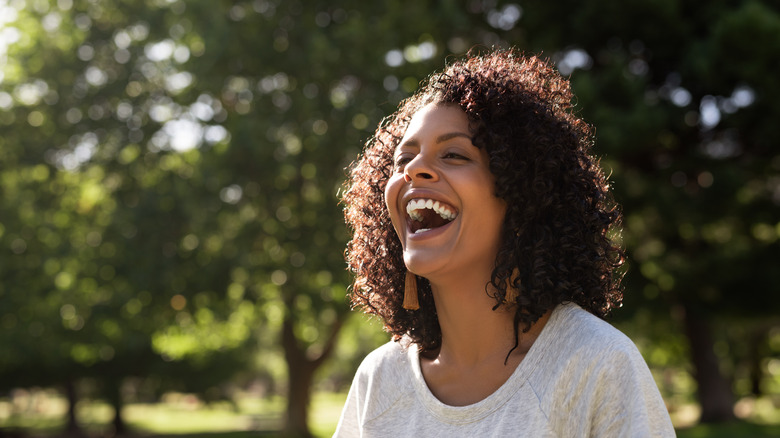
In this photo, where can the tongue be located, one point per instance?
(430, 219)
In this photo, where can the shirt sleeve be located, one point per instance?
(349, 423)
(626, 400)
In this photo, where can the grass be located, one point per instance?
(730, 430)
(42, 414)
(178, 415)
(326, 409)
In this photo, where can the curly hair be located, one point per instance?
(561, 226)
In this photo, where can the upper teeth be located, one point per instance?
(413, 207)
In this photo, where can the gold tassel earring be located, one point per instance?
(410, 292)
(512, 292)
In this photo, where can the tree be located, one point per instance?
(685, 121)
(170, 169)
(101, 227)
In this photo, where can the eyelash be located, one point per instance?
(400, 162)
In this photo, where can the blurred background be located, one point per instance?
(171, 242)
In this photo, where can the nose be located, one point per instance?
(419, 169)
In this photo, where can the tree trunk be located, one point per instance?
(758, 351)
(714, 389)
(298, 398)
(72, 427)
(115, 394)
(301, 370)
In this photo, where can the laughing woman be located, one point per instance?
(482, 237)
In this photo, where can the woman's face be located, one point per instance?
(441, 196)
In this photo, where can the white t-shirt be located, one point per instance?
(581, 377)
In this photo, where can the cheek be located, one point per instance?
(494, 208)
(391, 200)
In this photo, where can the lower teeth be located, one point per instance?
(422, 230)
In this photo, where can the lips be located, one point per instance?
(425, 214)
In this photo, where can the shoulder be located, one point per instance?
(578, 344)
(585, 335)
(383, 378)
(592, 375)
(386, 359)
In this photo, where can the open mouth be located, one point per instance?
(427, 214)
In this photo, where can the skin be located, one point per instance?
(437, 160)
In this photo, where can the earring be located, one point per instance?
(512, 292)
(410, 292)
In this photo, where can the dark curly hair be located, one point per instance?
(558, 236)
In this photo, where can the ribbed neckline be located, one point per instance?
(477, 411)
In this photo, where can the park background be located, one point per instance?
(171, 242)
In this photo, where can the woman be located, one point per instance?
(482, 237)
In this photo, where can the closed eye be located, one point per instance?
(402, 161)
(456, 156)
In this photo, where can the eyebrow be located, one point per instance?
(440, 139)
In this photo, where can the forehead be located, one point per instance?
(438, 116)
(434, 120)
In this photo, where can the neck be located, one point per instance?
(472, 332)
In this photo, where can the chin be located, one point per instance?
(423, 265)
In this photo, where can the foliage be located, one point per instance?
(169, 171)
